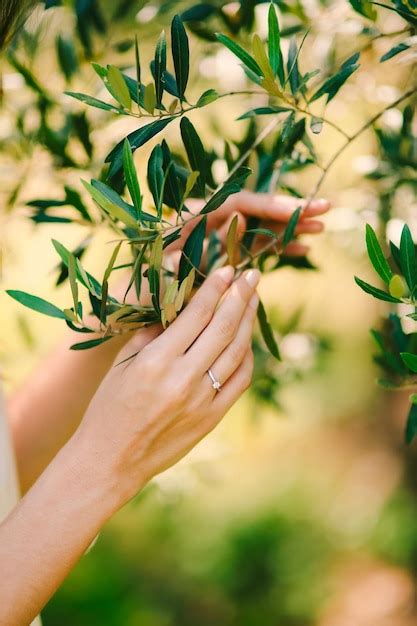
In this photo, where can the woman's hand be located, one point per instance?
(150, 411)
(274, 212)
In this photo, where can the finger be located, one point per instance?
(231, 358)
(296, 249)
(274, 207)
(234, 388)
(225, 324)
(195, 317)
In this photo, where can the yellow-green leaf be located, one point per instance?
(119, 86)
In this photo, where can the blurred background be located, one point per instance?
(300, 509)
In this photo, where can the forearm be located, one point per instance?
(63, 386)
(49, 530)
(47, 410)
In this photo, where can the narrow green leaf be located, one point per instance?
(93, 102)
(67, 57)
(408, 258)
(232, 243)
(116, 210)
(36, 304)
(136, 139)
(214, 250)
(376, 255)
(241, 54)
(172, 192)
(195, 153)
(263, 111)
(411, 427)
(410, 361)
(180, 55)
(261, 58)
(373, 291)
(292, 66)
(332, 85)
(137, 62)
(394, 51)
(119, 87)
(291, 226)
(112, 261)
(267, 332)
(220, 197)
(86, 345)
(274, 45)
(72, 276)
(365, 8)
(207, 97)
(156, 176)
(193, 250)
(160, 68)
(132, 178)
(149, 98)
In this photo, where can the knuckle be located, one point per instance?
(202, 310)
(151, 360)
(227, 328)
(237, 351)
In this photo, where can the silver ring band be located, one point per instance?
(215, 383)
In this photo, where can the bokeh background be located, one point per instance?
(294, 512)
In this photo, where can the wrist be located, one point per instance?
(107, 483)
(91, 476)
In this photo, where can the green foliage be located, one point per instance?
(279, 137)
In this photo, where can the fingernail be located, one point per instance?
(252, 277)
(254, 301)
(226, 273)
(322, 202)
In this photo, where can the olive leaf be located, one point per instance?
(36, 304)
(155, 263)
(160, 68)
(193, 249)
(172, 193)
(375, 292)
(267, 332)
(110, 202)
(261, 58)
(394, 51)
(156, 176)
(180, 55)
(376, 255)
(207, 97)
(411, 427)
(232, 242)
(332, 85)
(93, 102)
(410, 361)
(408, 258)
(241, 54)
(118, 86)
(93, 343)
(195, 153)
(365, 8)
(136, 139)
(132, 179)
(274, 45)
(72, 276)
(291, 226)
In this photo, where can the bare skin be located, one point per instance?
(144, 417)
(37, 432)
